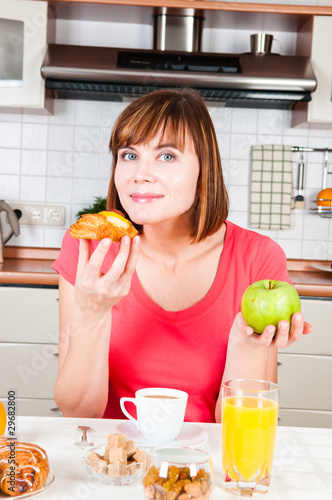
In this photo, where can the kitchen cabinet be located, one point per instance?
(315, 40)
(305, 371)
(23, 42)
(29, 347)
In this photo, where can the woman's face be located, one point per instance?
(156, 181)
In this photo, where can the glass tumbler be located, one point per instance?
(249, 424)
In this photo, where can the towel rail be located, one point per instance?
(309, 150)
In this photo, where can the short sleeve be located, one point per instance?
(271, 263)
(66, 263)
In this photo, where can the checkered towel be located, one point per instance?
(271, 187)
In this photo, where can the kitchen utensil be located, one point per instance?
(299, 198)
(261, 43)
(7, 229)
(84, 440)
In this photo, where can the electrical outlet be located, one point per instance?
(42, 215)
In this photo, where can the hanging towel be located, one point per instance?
(271, 187)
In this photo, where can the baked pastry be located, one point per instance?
(24, 467)
(102, 225)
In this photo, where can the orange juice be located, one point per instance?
(248, 434)
(3, 419)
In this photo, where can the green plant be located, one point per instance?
(98, 205)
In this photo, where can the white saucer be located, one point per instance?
(190, 435)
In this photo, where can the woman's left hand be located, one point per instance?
(283, 336)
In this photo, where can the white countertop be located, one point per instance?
(302, 468)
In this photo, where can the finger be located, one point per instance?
(296, 327)
(266, 337)
(282, 336)
(83, 255)
(242, 326)
(119, 263)
(133, 257)
(98, 256)
(307, 328)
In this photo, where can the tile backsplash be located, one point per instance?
(63, 159)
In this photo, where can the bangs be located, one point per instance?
(142, 127)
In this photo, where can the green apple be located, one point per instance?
(267, 302)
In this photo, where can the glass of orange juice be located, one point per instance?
(249, 424)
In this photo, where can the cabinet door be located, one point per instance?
(305, 418)
(318, 312)
(305, 381)
(25, 87)
(30, 369)
(320, 107)
(37, 408)
(29, 315)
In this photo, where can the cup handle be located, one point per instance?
(122, 405)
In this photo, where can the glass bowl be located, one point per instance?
(171, 473)
(114, 474)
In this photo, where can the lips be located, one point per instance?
(145, 197)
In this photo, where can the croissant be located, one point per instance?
(102, 225)
(24, 467)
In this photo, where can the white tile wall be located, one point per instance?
(63, 159)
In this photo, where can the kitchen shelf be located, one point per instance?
(214, 5)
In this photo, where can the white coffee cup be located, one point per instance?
(160, 413)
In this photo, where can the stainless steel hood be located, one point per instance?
(238, 80)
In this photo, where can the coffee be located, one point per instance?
(160, 397)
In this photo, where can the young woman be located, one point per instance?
(162, 310)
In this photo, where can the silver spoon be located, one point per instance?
(84, 440)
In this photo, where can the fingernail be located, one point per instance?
(271, 329)
(106, 242)
(126, 240)
(284, 326)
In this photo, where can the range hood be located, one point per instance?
(238, 80)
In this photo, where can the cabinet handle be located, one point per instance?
(56, 354)
(279, 363)
(56, 410)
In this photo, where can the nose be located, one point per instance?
(144, 170)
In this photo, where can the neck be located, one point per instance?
(167, 240)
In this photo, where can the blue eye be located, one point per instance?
(167, 157)
(129, 156)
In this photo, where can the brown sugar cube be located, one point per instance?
(117, 455)
(140, 456)
(99, 465)
(117, 469)
(116, 441)
(130, 448)
(94, 456)
(134, 468)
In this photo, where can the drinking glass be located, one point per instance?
(3, 419)
(249, 424)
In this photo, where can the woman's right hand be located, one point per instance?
(95, 292)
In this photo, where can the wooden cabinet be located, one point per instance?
(23, 40)
(315, 40)
(305, 371)
(29, 347)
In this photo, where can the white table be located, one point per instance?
(302, 468)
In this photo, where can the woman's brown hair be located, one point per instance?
(180, 114)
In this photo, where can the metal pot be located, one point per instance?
(7, 229)
(177, 29)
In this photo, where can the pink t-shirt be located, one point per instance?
(186, 350)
